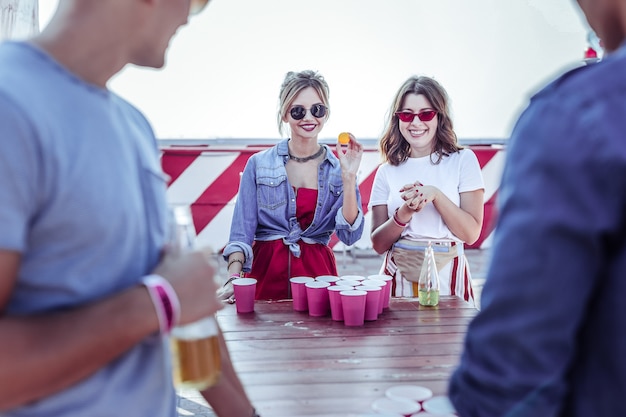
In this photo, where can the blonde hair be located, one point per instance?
(293, 84)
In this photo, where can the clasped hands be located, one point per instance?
(417, 195)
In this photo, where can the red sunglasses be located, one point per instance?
(424, 116)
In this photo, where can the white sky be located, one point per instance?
(225, 68)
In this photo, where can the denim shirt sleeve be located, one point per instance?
(245, 219)
(346, 232)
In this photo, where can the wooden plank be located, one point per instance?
(349, 376)
(295, 365)
(386, 362)
(319, 351)
(328, 400)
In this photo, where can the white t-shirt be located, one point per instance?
(454, 174)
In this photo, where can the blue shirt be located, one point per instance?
(551, 337)
(266, 205)
(82, 198)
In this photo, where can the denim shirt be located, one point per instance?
(266, 205)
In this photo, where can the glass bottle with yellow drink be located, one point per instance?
(195, 347)
(428, 283)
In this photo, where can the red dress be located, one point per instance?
(273, 264)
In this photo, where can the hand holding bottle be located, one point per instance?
(195, 341)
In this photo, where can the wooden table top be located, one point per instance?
(296, 365)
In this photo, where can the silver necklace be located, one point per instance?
(307, 158)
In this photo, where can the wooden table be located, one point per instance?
(296, 365)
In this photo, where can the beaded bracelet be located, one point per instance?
(231, 278)
(396, 220)
(165, 301)
(233, 261)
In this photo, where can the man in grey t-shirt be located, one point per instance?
(83, 221)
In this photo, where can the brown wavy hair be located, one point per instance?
(394, 148)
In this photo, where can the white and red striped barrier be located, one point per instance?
(207, 178)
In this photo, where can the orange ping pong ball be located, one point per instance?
(344, 138)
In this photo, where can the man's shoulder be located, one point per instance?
(590, 82)
(15, 65)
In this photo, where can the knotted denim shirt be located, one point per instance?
(266, 206)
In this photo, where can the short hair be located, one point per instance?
(394, 148)
(293, 84)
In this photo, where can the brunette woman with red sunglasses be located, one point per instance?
(429, 190)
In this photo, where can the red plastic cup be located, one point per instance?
(244, 289)
(353, 306)
(372, 301)
(317, 297)
(336, 309)
(388, 280)
(298, 292)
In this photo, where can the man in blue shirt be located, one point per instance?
(550, 339)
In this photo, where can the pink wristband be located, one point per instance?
(165, 301)
(396, 220)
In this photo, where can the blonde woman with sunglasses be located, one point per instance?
(294, 196)
(428, 190)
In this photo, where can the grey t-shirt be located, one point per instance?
(83, 199)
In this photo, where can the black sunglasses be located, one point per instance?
(424, 116)
(317, 110)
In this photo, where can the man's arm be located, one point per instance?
(62, 348)
(228, 397)
(546, 262)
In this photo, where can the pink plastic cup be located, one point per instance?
(399, 406)
(331, 279)
(353, 277)
(388, 280)
(298, 292)
(415, 393)
(439, 404)
(317, 296)
(353, 305)
(372, 301)
(336, 309)
(381, 294)
(348, 282)
(244, 289)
